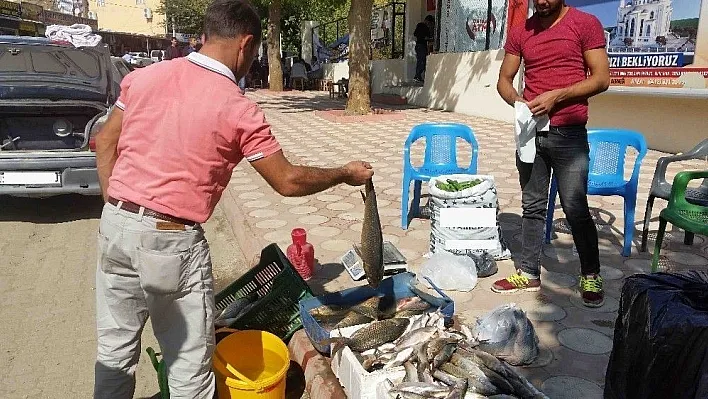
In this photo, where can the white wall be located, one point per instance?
(386, 73)
(461, 82)
(336, 71)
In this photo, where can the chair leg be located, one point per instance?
(404, 202)
(688, 238)
(630, 202)
(551, 208)
(415, 208)
(657, 245)
(645, 226)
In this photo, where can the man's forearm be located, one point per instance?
(507, 92)
(306, 180)
(584, 89)
(105, 161)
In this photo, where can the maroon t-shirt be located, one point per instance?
(553, 59)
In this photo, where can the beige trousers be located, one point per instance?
(166, 275)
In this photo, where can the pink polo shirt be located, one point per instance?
(186, 125)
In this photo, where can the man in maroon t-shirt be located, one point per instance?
(558, 45)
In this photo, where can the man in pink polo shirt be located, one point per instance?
(162, 171)
(559, 46)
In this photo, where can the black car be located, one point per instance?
(52, 98)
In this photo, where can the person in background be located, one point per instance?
(192, 47)
(316, 71)
(557, 84)
(423, 34)
(242, 84)
(173, 51)
(127, 57)
(286, 72)
(162, 172)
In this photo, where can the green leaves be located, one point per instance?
(188, 15)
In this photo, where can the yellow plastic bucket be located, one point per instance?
(251, 364)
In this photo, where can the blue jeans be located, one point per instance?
(566, 151)
(242, 84)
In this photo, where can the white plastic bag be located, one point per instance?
(508, 334)
(451, 272)
(525, 129)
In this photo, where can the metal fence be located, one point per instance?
(388, 34)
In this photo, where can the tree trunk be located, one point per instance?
(359, 102)
(275, 69)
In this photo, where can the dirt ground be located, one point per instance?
(48, 252)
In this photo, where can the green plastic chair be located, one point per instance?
(689, 217)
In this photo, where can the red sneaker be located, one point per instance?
(515, 283)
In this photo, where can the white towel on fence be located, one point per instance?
(79, 35)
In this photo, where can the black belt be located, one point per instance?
(135, 208)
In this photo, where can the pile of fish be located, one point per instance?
(235, 310)
(372, 309)
(438, 362)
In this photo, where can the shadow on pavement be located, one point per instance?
(297, 103)
(323, 274)
(59, 209)
(295, 381)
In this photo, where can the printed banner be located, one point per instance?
(463, 25)
(31, 11)
(653, 43)
(10, 9)
(381, 23)
(660, 77)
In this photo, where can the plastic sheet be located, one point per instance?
(451, 272)
(508, 334)
(661, 338)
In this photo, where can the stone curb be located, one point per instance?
(321, 383)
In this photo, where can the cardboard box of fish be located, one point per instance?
(418, 357)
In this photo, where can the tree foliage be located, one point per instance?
(188, 15)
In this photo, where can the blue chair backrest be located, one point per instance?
(441, 145)
(608, 148)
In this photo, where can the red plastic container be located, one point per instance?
(301, 253)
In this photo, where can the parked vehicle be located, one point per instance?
(120, 69)
(157, 55)
(51, 99)
(140, 59)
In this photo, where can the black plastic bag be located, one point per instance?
(661, 338)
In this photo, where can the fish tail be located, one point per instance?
(339, 343)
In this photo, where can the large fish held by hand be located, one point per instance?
(371, 237)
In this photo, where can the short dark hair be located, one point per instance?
(173, 38)
(231, 18)
(430, 18)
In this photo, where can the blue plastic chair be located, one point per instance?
(440, 159)
(606, 176)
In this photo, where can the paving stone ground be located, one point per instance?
(575, 340)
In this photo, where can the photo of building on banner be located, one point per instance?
(653, 43)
